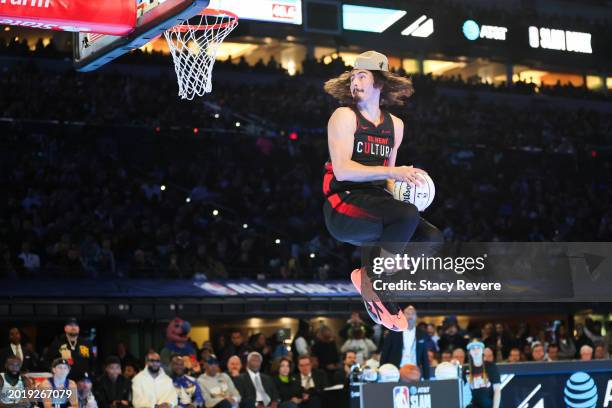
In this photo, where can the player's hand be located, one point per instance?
(408, 173)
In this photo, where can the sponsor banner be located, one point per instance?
(576, 384)
(115, 17)
(273, 11)
(423, 394)
(278, 288)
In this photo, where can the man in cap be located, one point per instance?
(256, 389)
(218, 388)
(67, 394)
(363, 143)
(76, 350)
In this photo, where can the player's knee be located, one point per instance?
(408, 213)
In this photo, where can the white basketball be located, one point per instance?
(421, 196)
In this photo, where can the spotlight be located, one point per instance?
(237, 124)
(216, 116)
(245, 226)
(312, 255)
(162, 187)
(215, 212)
(277, 241)
(188, 200)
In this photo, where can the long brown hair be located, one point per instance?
(394, 89)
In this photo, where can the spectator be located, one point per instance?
(482, 377)
(152, 387)
(15, 348)
(130, 370)
(31, 261)
(12, 379)
(459, 355)
(237, 347)
(514, 356)
(259, 343)
(312, 382)
(503, 342)
(187, 388)
(355, 320)
(488, 355)
(567, 349)
(60, 381)
(289, 389)
(552, 354)
(255, 388)
(586, 353)
(73, 348)
(124, 354)
(349, 359)
(234, 366)
(218, 388)
(451, 339)
(537, 351)
(407, 347)
(581, 338)
(357, 342)
(600, 352)
(326, 351)
(86, 396)
(302, 341)
(446, 356)
(433, 334)
(112, 390)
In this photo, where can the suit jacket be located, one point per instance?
(393, 346)
(319, 377)
(246, 388)
(29, 359)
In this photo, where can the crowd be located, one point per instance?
(234, 371)
(231, 188)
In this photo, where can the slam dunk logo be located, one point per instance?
(411, 397)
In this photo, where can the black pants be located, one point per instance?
(373, 219)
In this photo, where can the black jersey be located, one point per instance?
(372, 147)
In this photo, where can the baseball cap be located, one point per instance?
(212, 360)
(475, 343)
(72, 320)
(59, 361)
(372, 61)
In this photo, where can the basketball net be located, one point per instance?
(194, 45)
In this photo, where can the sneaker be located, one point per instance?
(388, 314)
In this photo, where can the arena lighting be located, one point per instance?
(370, 19)
(277, 241)
(188, 200)
(216, 116)
(157, 129)
(237, 124)
(312, 255)
(162, 187)
(215, 212)
(293, 136)
(245, 226)
(593, 153)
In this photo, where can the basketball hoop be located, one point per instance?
(194, 49)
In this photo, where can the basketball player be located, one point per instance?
(363, 142)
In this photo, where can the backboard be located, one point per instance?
(153, 17)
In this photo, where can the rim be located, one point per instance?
(232, 21)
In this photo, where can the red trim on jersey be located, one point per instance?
(327, 178)
(350, 209)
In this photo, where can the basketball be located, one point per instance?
(410, 373)
(421, 196)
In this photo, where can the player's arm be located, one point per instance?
(398, 135)
(340, 138)
(496, 395)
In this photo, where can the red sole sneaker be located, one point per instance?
(386, 313)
